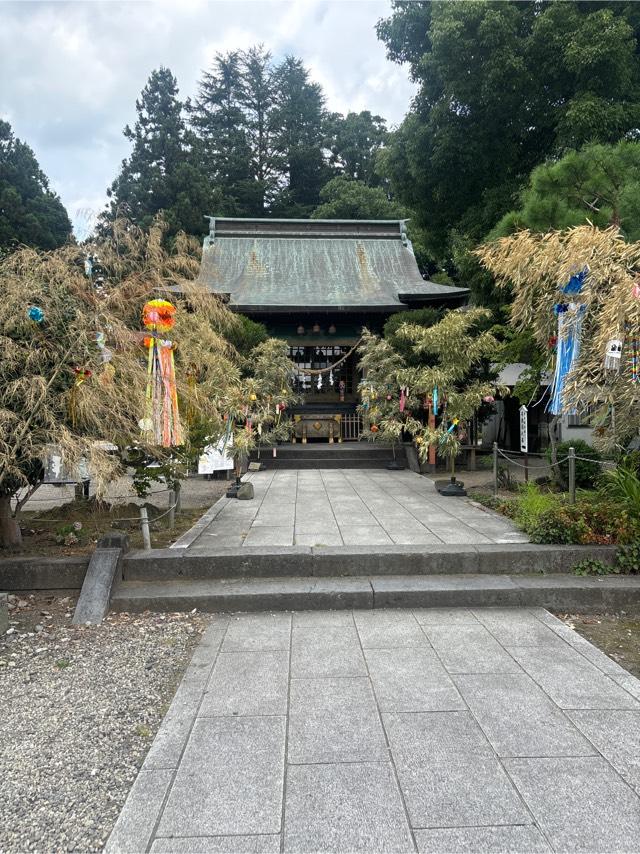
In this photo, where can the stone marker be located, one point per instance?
(245, 491)
(95, 595)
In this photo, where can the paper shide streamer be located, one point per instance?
(161, 423)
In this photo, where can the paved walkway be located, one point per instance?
(349, 507)
(393, 731)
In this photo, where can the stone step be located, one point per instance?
(356, 561)
(556, 592)
(357, 462)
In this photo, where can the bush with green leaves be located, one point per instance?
(587, 472)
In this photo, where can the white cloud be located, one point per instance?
(71, 72)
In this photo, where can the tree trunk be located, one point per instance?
(10, 534)
(553, 444)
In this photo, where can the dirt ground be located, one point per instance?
(618, 635)
(74, 527)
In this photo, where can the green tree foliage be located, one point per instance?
(354, 141)
(246, 334)
(30, 213)
(503, 86)
(299, 116)
(392, 331)
(161, 174)
(599, 183)
(345, 198)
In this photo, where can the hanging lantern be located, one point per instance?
(316, 328)
(332, 329)
(613, 355)
(300, 329)
(161, 422)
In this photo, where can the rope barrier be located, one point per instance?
(130, 519)
(522, 465)
(316, 371)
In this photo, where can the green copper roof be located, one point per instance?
(276, 265)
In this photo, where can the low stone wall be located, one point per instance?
(43, 573)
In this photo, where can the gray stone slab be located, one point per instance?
(518, 718)
(443, 616)
(327, 537)
(362, 535)
(458, 791)
(383, 634)
(516, 627)
(230, 779)
(570, 680)
(266, 844)
(248, 683)
(345, 808)
(135, 825)
(95, 595)
(322, 618)
(277, 535)
(580, 804)
(166, 749)
(516, 839)
(405, 538)
(444, 591)
(331, 636)
(617, 737)
(334, 720)
(258, 632)
(326, 661)
(411, 680)
(431, 736)
(468, 648)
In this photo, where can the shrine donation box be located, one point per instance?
(317, 427)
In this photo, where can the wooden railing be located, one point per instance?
(351, 427)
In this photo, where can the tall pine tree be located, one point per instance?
(161, 174)
(299, 117)
(30, 213)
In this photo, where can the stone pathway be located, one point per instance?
(392, 731)
(350, 507)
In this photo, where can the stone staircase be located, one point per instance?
(339, 455)
(300, 577)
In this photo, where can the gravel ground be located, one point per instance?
(79, 708)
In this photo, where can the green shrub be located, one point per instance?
(628, 559)
(622, 484)
(555, 527)
(586, 472)
(532, 502)
(591, 566)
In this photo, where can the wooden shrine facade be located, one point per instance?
(317, 284)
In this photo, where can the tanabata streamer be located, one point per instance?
(569, 329)
(161, 422)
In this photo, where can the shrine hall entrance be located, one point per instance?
(327, 382)
(338, 380)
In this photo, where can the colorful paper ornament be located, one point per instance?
(453, 425)
(434, 400)
(331, 377)
(575, 283)
(635, 290)
(88, 266)
(319, 383)
(161, 422)
(613, 355)
(374, 428)
(568, 350)
(36, 314)
(158, 315)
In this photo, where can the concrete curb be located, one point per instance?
(355, 561)
(571, 593)
(43, 573)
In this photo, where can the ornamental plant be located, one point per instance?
(445, 367)
(73, 363)
(541, 272)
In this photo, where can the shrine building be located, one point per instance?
(317, 283)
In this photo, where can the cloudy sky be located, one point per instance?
(70, 72)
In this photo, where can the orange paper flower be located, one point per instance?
(158, 315)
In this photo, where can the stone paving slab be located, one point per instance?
(302, 733)
(347, 507)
